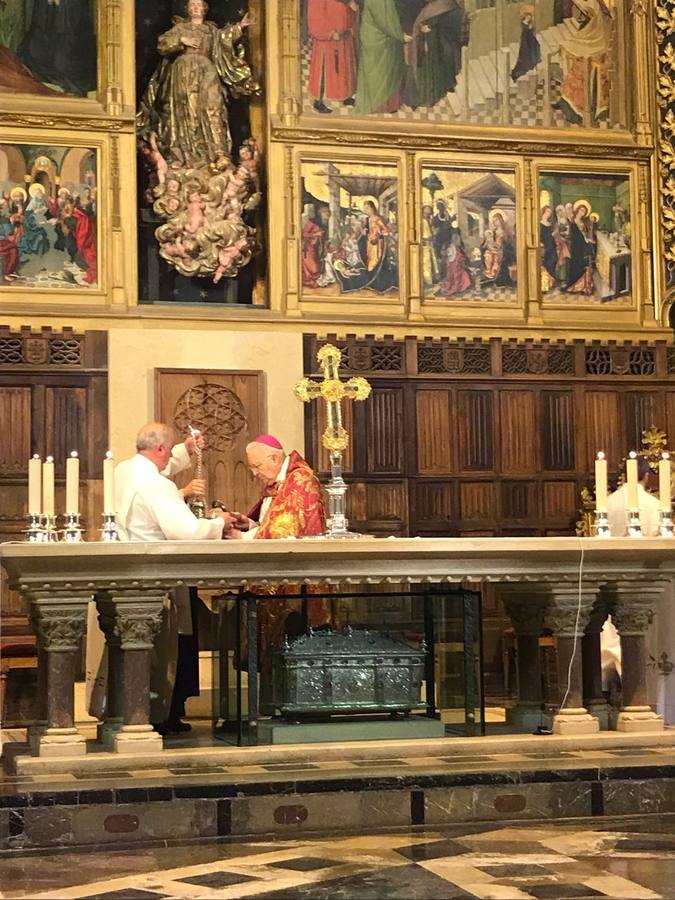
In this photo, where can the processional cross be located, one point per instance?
(335, 439)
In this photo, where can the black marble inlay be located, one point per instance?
(515, 870)
(58, 798)
(94, 776)
(160, 793)
(635, 773)
(305, 863)
(597, 799)
(217, 879)
(16, 823)
(7, 801)
(131, 795)
(562, 891)
(417, 807)
(367, 763)
(394, 883)
(285, 767)
(198, 770)
(128, 894)
(193, 791)
(224, 817)
(432, 850)
(643, 844)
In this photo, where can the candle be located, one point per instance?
(601, 483)
(109, 484)
(664, 482)
(35, 486)
(73, 484)
(48, 487)
(632, 480)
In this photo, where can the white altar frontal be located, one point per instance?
(563, 586)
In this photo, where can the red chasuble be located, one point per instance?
(296, 510)
(332, 26)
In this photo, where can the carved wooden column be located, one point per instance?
(591, 665)
(526, 606)
(632, 612)
(567, 619)
(59, 619)
(132, 618)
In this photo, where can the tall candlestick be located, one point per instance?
(73, 484)
(109, 484)
(632, 480)
(48, 487)
(601, 483)
(35, 486)
(664, 482)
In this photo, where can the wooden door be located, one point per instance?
(229, 409)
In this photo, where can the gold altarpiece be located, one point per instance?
(397, 155)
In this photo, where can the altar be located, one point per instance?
(567, 585)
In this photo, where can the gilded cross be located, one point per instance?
(333, 391)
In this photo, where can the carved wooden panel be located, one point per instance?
(519, 501)
(435, 508)
(518, 432)
(559, 498)
(384, 431)
(478, 501)
(641, 410)
(382, 505)
(436, 437)
(558, 431)
(228, 407)
(602, 426)
(65, 423)
(15, 437)
(475, 434)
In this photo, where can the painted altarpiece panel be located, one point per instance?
(587, 237)
(469, 233)
(549, 64)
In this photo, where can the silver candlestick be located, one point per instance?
(666, 526)
(601, 524)
(35, 533)
(109, 530)
(72, 532)
(634, 527)
(49, 525)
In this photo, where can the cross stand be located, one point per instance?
(338, 525)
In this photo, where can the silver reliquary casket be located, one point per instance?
(327, 673)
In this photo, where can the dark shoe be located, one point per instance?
(177, 727)
(321, 107)
(350, 101)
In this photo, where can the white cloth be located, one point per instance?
(265, 505)
(617, 512)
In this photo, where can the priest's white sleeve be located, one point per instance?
(174, 517)
(180, 460)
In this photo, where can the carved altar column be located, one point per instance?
(133, 620)
(112, 722)
(632, 612)
(59, 619)
(567, 618)
(591, 665)
(526, 605)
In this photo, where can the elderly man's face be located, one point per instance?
(163, 452)
(264, 463)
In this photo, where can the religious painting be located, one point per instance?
(549, 63)
(468, 234)
(48, 47)
(349, 227)
(48, 217)
(585, 238)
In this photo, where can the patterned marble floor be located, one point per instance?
(626, 859)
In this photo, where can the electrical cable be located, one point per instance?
(576, 628)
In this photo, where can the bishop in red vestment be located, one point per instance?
(332, 27)
(291, 505)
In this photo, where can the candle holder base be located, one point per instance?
(109, 530)
(666, 527)
(198, 507)
(72, 533)
(51, 532)
(634, 527)
(35, 533)
(601, 524)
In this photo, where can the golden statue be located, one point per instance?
(198, 190)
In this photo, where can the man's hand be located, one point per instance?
(194, 442)
(242, 522)
(195, 488)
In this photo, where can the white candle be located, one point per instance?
(35, 486)
(48, 487)
(632, 480)
(601, 483)
(109, 484)
(664, 482)
(72, 484)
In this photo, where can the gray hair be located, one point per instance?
(153, 434)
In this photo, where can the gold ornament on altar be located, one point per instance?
(200, 192)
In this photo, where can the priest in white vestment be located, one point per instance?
(149, 507)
